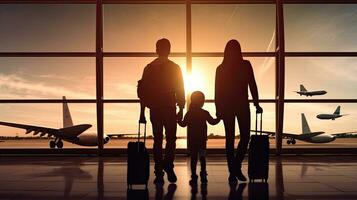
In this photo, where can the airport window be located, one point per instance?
(319, 27)
(47, 28)
(52, 50)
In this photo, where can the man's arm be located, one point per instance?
(180, 90)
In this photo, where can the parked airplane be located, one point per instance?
(333, 116)
(70, 133)
(307, 135)
(303, 91)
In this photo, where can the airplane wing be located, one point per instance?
(295, 136)
(343, 134)
(119, 135)
(35, 129)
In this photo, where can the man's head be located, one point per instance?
(163, 47)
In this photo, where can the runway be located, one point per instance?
(180, 144)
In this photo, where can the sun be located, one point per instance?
(194, 81)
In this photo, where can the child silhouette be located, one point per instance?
(195, 120)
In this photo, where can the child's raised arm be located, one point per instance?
(211, 120)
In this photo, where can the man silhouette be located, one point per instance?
(161, 89)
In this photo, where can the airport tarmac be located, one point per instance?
(180, 144)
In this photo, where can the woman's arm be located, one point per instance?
(211, 120)
(217, 93)
(253, 88)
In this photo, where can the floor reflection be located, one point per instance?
(105, 178)
(70, 173)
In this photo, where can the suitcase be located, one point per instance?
(258, 157)
(258, 191)
(138, 162)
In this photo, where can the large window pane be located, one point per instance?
(204, 70)
(338, 76)
(345, 124)
(123, 119)
(214, 25)
(320, 27)
(47, 27)
(26, 78)
(44, 115)
(121, 75)
(137, 27)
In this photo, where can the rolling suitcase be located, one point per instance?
(258, 157)
(138, 162)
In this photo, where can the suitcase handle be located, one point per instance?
(256, 123)
(144, 132)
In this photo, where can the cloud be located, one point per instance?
(14, 86)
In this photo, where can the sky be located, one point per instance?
(130, 28)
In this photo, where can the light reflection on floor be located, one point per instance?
(290, 177)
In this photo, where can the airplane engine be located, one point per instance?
(87, 140)
(106, 139)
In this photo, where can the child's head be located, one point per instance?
(197, 99)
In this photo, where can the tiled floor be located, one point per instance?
(290, 177)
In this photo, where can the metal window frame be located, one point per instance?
(280, 54)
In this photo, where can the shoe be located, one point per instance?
(171, 176)
(159, 180)
(193, 180)
(232, 179)
(203, 177)
(240, 176)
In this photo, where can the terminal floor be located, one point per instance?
(290, 177)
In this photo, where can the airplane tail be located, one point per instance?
(337, 111)
(302, 88)
(305, 125)
(67, 119)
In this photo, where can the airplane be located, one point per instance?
(307, 135)
(333, 116)
(303, 91)
(69, 133)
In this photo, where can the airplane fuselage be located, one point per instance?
(86, 139)
(325, 138)
(328, 116)
(312, 93)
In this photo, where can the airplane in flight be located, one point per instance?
(69, 133)
(307, 135)
(333, 116)
(303, 91)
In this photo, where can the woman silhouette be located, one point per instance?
(233, 77)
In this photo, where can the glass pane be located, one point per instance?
(320, 27)
(44, 115)
(123, 119)
(204, 70)
(214, 25)
(26, 78)
(121, 75)
(344, 124)
(47, 27)
(337, 76)
(217, 134)
(136, 27)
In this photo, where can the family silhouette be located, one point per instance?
(161, 89)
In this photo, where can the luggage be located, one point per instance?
(258, 157)
(138, 162)
(258, 191)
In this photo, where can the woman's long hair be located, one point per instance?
(232, 54)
